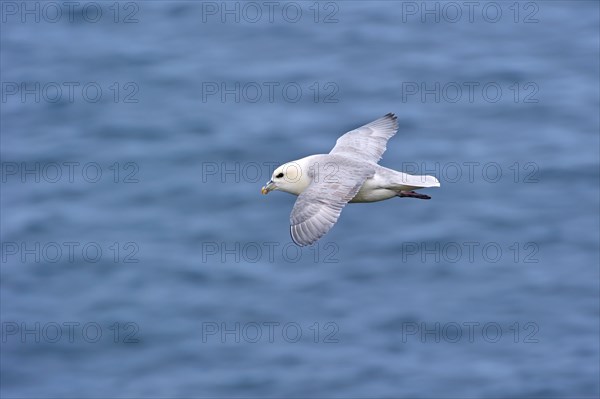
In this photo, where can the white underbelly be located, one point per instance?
(372, 191)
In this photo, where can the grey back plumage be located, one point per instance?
(337, 177)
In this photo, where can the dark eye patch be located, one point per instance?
(279, 175)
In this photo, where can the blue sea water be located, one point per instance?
(140, 260)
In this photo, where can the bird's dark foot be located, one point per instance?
(412, 194)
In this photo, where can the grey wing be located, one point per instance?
(318, 207)
(367, 142)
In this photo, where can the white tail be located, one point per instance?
(412, 181)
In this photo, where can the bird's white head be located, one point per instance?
(291, 177)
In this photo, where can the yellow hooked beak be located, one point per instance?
(268, 188)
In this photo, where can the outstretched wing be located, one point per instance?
(318, 207)
(368, 142)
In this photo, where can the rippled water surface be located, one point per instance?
(134, 232)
